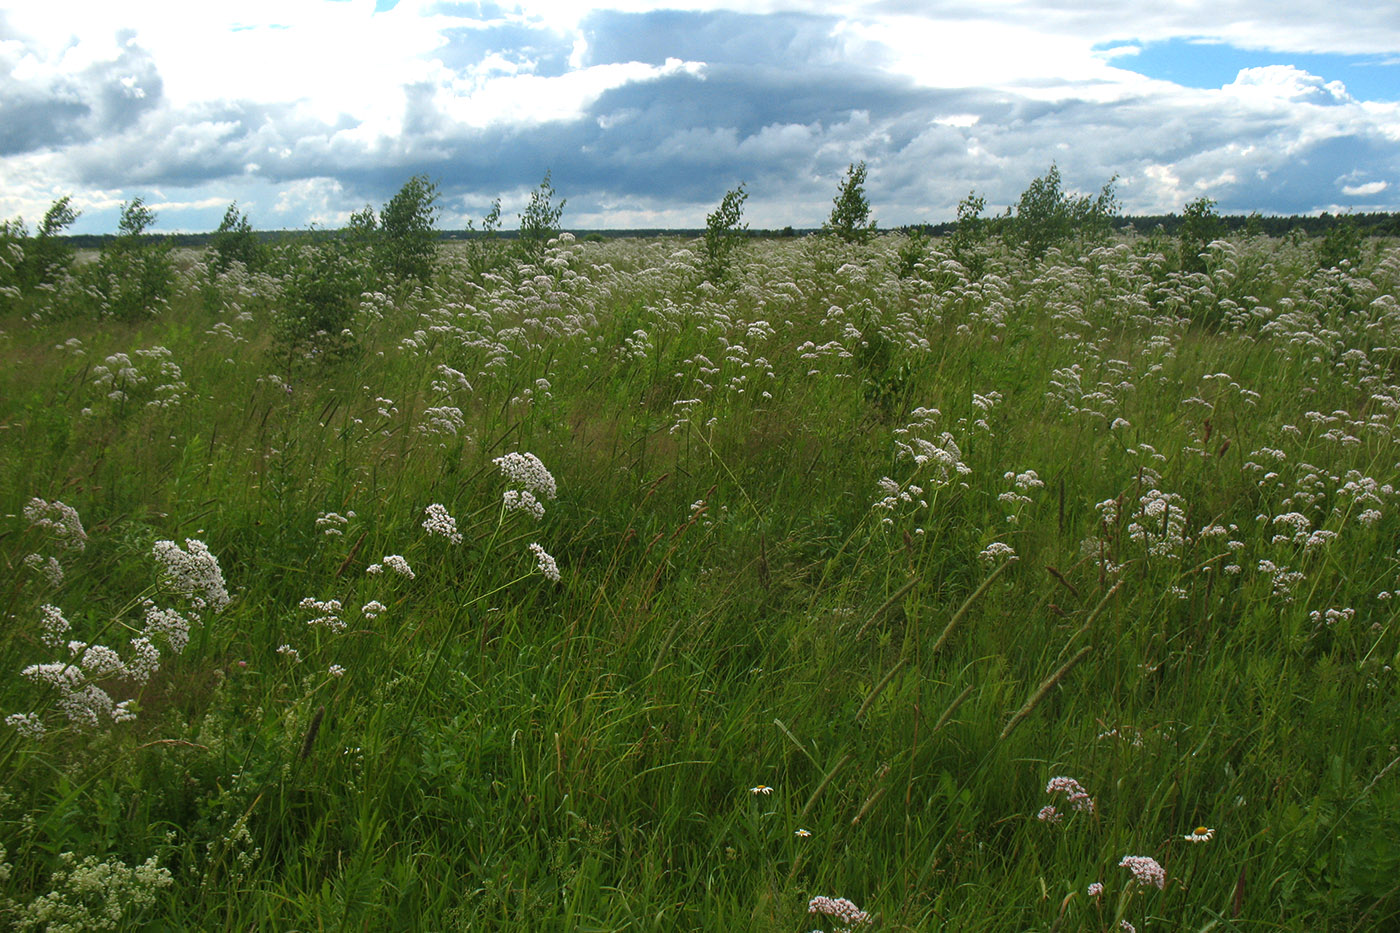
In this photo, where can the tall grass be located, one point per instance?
(852, 564)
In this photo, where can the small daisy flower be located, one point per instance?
(802, 833)
(1202, 834)
(763, 789)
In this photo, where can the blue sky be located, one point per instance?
(647, 112)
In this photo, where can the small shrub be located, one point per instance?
(235, 241)
(970, 236)
(1341, 243)
(321, 288)
(30, 264)
(1200, 226)
(540, 221)
(1047, 215)
(408, 231)
(485, 251)
(850, 214)
(134, 276)
(724, 234)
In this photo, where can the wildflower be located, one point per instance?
(521, 500)
(440, 522)
(99, 661)
(1095, 889)
(372, 609)
(838, 908)
(329, 610)
(28, 725)
(444, 420)
(526, 470)
(145, 660)
(995, 551)
(394, 562)
(1145, 870)
(1126, 927)
(1048, 814)
(167, 624)
(1078, 798)
(335, 670)
(802, 833)
(1202, 834)
(287, 651)
(48, 566)
(547, 566)
(193, 573)
(54, 626)
(763, 789)
(333, 523)
(61, 519)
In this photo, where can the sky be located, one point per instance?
(645, 113)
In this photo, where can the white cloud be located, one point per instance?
(1365, 190)
(314, 105)
(1288, 83)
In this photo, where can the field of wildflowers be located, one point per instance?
(853, 590)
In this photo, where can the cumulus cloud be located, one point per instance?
(647, 112)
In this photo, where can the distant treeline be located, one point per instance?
(1368, 225)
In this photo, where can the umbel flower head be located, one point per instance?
(193, 572)
(530, 483)
(1145, 870)
(440, 522)
(838, 908)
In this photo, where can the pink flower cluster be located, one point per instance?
(838, 908)
(1145, 869)
(1077, 796)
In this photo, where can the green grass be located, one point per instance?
(735, 610)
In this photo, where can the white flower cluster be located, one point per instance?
(95, 895)
(1331, 617)
(60, 519)
(54, 626)
(440, 522)
(167, 624)
(51, 569)
(80, 698)
(546, 564)
(193, 573)
(522, 500)
(450, 380)
(393, 562)
(443, 419)
(941, 453)
(996, 551)
(83, 702)
(329, 613)
(120, 376)
(1160, 523)
(331, 524)
(527, 472)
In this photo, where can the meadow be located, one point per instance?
(870, 585)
